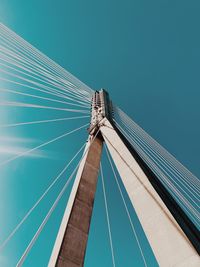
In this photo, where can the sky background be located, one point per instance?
(147, 55)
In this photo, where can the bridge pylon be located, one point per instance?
(172, 236)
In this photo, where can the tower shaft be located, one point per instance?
(168, 241)
(70, 246)
(169, 231)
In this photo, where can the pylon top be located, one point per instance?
(101, 107)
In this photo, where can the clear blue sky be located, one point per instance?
(147, 55)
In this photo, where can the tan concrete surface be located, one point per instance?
(74, 243)
(170, 245)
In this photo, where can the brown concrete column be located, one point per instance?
(74, 243)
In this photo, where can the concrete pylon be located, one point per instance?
(169, 243)
(70, 246)
(172, 236)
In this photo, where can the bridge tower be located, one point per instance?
(172, 236)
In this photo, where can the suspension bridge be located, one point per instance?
(147, 178)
